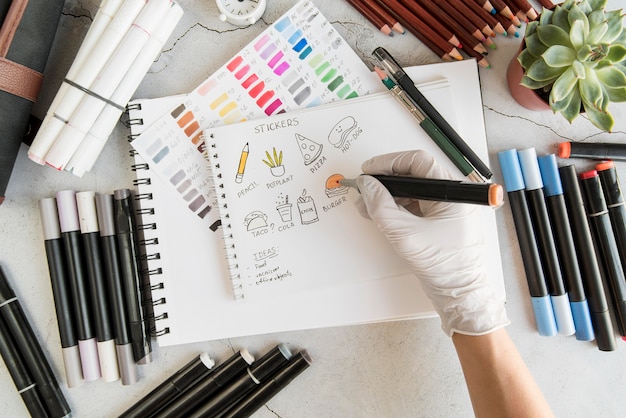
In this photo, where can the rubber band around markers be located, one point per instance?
(93, 94)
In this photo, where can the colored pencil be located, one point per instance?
(452, 18)
(505, 11)
(480, 59)
(385, 15)
(420, 14)
(487, 17)
(486, 4)
(370, 15)
(548, 4)
(507, 24)
(473, 17)
(526, 8)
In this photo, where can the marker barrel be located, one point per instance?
(597, 213)
(587, 259)
(595, 151)
(514, 184)
(545, 241)
(615, 204)
(564, 241)
(168, 391)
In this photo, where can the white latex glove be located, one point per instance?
(441, 241)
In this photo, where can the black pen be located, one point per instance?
(441, 190)
(110, 255)
(128, 246)
(30, 350)
(404, 81)
(598, 216)
(256, 374)
(61, 291)
(218, 378)
(24, 382)
(70, 232)
(94, 263)
(172, 388)
(586, 254)
(268, 389)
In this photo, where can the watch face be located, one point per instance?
(240, 7)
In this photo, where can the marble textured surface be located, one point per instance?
(400, 369)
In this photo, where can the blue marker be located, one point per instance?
(565, 248)
(545, 241)
(540, 299)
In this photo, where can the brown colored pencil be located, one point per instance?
(508, 25)
(420, 30)
(428, 20)
(486, 4)
(526, 8)
(505, 11)
(385, 15)
(473, 17)
(488, 17)
(548, 4)
(469, 41)
(374, 18)
(516, 11)
(480, 59)
(450, 21)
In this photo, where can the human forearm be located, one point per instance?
(498, 380)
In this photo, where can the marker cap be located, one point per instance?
(603, 328)
(73, 368)
(108, 361)
(89, 359)
(87, 217)
(564, 149)
(104, 209)
(550, 175)
(530, 168)
(544, 315)
(511, 170)
(127, 365)
(582, 321)
(49, 218)
(68, 211)
(563, 314)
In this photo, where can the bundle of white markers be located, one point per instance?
(121, 44)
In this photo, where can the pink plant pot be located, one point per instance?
(523, 95)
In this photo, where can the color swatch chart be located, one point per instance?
(299, 61)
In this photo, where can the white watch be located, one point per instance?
(241, 12)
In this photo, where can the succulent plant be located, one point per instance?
(576, 54)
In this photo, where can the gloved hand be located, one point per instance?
(441, 241)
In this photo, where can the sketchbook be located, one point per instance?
(190, 267)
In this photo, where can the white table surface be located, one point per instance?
(400, 369)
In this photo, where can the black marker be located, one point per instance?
(268, 389)
(70, 232)
(24, 383)
(127, 243)
(545, 241)
(111, 258)
(403, 80)
(604, 238)
(29, 349)
(540, 299)
(559, 221)
(586, 254)
(171, 389)
(594, 151)
(489, 194)
(61, 291)
(215, 381)
(615, 204)
(256, 374)
(94, 263)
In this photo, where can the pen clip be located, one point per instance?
(388, 63)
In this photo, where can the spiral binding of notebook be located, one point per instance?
(154, 303)
(229, 243)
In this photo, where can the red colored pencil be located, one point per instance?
(374, 18)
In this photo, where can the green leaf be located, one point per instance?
(553, 35)
(526, 59)
(559, 56)
(534, 45)
(564, 85)
(546, 17)
(579, 69)
(570, 108)
(540, 71)
(534, 84)
(577, 15)
(596, 33)
(617, 53)
(615, 28)
(616, 95)
(577, 34)
(585, 53)
(597, 4)
(591, 90)
(602, 120)
(531, 28)
(611, 77)
(597, 17)
(584, 6)
(559, 18)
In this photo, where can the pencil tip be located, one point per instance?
(398, 28)
(493, 11)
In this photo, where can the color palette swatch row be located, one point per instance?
(299, 61)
